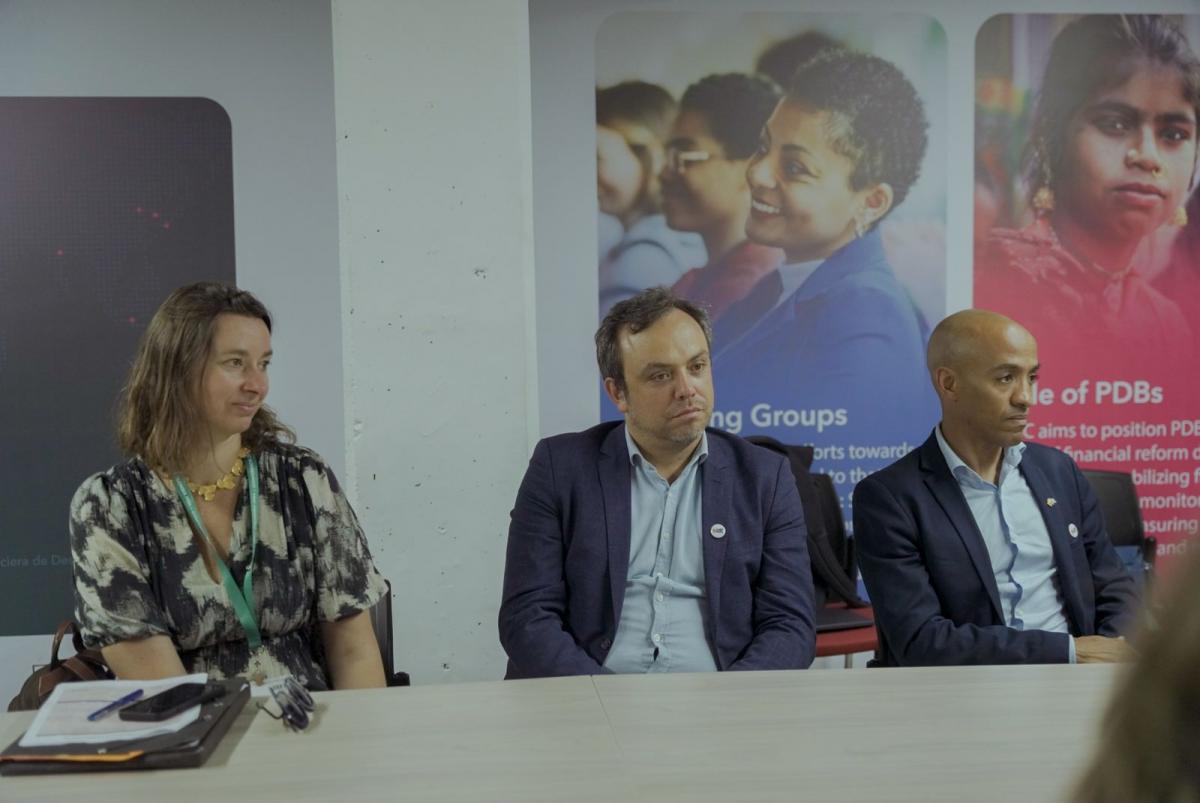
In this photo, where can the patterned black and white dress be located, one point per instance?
(139, 570)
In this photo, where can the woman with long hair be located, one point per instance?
(1110, 159)
(217, 545)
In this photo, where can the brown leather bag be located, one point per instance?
(85, 664)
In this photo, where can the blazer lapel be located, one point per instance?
(1056, 526)
(742, 316)
(945, 490)
(615, 488)
(757, 316)
(715, 506)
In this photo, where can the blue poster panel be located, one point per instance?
(784, 171)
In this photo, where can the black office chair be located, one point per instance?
(1123, 521)
(829, 552)
(844, 622)
(835, 525)
(381, 622)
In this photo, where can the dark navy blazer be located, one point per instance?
(849, 338)
(930, 579)
(848, 346)
(568, 557)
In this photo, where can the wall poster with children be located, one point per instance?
(1086, 232)
(829, 186)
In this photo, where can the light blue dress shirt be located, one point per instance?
(662, 627)
(792, 277)
(1017, 541)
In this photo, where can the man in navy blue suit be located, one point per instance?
(656, 544)
(977, 548)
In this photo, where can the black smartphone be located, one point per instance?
(168, 703)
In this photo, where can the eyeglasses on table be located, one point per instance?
(294, 701)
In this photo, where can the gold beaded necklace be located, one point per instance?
(228, 482)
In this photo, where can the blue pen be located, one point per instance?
(136, 694)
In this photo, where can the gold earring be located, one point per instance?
(1159, 171)
(1043, 200)
(1180, 218)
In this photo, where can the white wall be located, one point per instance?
(432, 106)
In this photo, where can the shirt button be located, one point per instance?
(604, 645)
(657, 638)
(659, 596)
(666, 535)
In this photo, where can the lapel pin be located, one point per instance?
(717, 531)
(1073, 530)
(1051, 502)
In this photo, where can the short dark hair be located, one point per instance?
(781, 59)
(1089, 55)
(735, 106)
(880, 122)
(637, 313)
(646, 104)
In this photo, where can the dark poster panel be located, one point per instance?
(106, 205)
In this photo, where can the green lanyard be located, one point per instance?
(239, 597)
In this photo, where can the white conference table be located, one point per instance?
(930, 734)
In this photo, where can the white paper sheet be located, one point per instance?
(63, 718)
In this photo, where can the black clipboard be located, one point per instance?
(189, 747)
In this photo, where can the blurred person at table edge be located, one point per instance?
(1147, 745)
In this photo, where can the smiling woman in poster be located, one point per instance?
(1110, 158)
(832, 341)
